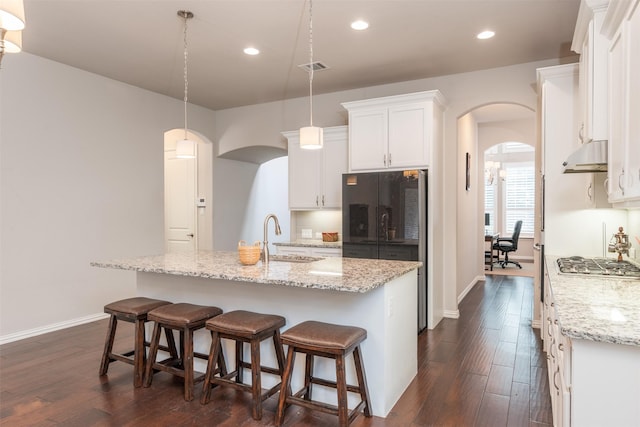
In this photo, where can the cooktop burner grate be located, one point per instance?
(598, 267)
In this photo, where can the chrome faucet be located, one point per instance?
(265, 242)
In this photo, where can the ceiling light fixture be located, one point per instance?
(185, 148)
(359, 25)
(251, 51)
(11, 26)
(311, 136)
(485, 35)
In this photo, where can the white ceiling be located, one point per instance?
(140, 42)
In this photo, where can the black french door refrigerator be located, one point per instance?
(384, 216)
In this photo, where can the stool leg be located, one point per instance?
(171, 343)
(308, 373)
(256, 383)
(153, 352)
(139, 355)
(187, 363)
(277, 344)
(285, 388)
(341, 385)
(362, 381)
(239, 360)
(211, 364)
(108, 345)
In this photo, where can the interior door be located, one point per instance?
(179, 203)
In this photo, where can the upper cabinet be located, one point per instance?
(394, 132)
(589, 42)
(621, 27)
(315, 176)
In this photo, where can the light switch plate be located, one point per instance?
(307, 233)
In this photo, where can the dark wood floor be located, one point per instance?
(484, 369)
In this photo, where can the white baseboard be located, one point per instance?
(50, 328)
(451, 314)
(469, 287)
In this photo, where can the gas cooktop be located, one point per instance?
(598, 267)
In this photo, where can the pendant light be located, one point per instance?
(311, 136)
(185, 148)
(11, 26)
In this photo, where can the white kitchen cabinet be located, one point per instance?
(394, 132)
(622, 25)
(315, 176)
(592, 47)
(309, 251)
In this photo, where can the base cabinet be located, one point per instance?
(592, 384)
(309, 251)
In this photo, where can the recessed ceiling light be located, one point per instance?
(251, 51)
(359, 25)
(485, 35)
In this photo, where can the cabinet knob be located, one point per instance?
(323, 200)
(384, 159)
(316, 200)
(389, 159)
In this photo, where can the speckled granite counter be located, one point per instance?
(311, 244)
(596, 308)
(336, 274)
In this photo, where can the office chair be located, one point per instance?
(509, 244)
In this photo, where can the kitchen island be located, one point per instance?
(377, 295)
(591, 328)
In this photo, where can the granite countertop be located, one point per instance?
(331, 273)
(311, 244)
(596, 308)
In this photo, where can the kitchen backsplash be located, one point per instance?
(311, 224)
(633, 230)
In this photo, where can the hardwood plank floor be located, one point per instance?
(484, 369)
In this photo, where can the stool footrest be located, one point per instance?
(327, 383)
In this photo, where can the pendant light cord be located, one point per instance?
(186, 81)
(311, 62)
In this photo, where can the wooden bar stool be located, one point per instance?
(133, 310)
(334, 342)
(185, 318)
(245, 327)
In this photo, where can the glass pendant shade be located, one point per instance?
(11, 15)
(185, 149)
(311, 137)
(13, 42)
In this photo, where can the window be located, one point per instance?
(510, 188)
(519, 189)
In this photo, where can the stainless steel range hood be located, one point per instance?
(590, 157)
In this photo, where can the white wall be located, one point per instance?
(269, 195)
(81, 179)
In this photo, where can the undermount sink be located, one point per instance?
(293, 258)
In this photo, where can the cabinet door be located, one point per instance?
(617, 119)
(408, 146)
(293, 250)
(368, 140)
(632, 155)
(334, 164)
(304, 176)
(326, 252)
